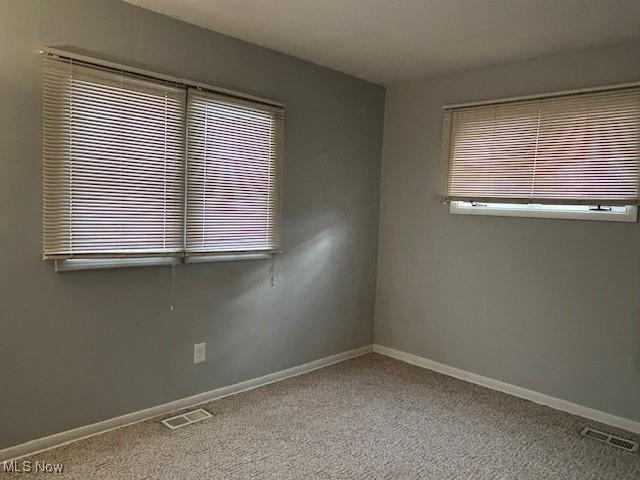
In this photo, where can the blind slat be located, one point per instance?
(576, 149)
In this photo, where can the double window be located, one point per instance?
(571, 155)
(136, 167)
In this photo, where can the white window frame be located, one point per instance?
(627, 213)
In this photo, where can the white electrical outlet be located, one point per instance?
(199, 352)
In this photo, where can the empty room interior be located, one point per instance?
(330, 239)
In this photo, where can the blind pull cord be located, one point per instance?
(173, 285)
(273, 259)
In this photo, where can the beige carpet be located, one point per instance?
(368, 418)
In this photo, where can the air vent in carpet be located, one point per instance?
(185, 419)
(609, 439)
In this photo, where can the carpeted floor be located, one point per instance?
(367, 418)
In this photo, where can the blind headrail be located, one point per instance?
(68, 55)
(561, 93)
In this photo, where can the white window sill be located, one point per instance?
(227, 258)
(106, 263)
(569, 212)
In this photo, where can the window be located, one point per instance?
(123, 186)
(560, 156)
(233, 166)
(113, 164)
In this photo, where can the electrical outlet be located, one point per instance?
(199, 352)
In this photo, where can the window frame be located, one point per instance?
(630, 215)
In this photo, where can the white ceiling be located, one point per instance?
(386, 41)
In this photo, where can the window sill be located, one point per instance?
(235, 257)
(567, 212)
(73, 265)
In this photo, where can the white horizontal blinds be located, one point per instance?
(113, 163)
(573, 149)
(589, 147)
(492, 152)
(234, 158)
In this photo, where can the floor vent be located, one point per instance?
(185, 419)
(612, 440)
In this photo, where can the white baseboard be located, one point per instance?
(536, 397)
(63, 438)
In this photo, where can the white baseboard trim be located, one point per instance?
(536, 397)
(58, 439)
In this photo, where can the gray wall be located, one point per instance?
(550, 305)
(76, 348)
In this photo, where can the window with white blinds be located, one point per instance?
(113, 163)
(575, 149)
(233, 169)
(121, 180)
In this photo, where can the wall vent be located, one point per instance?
(609, 439)
(185, 419)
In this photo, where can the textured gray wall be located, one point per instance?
(550, 305)
(76, 348)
